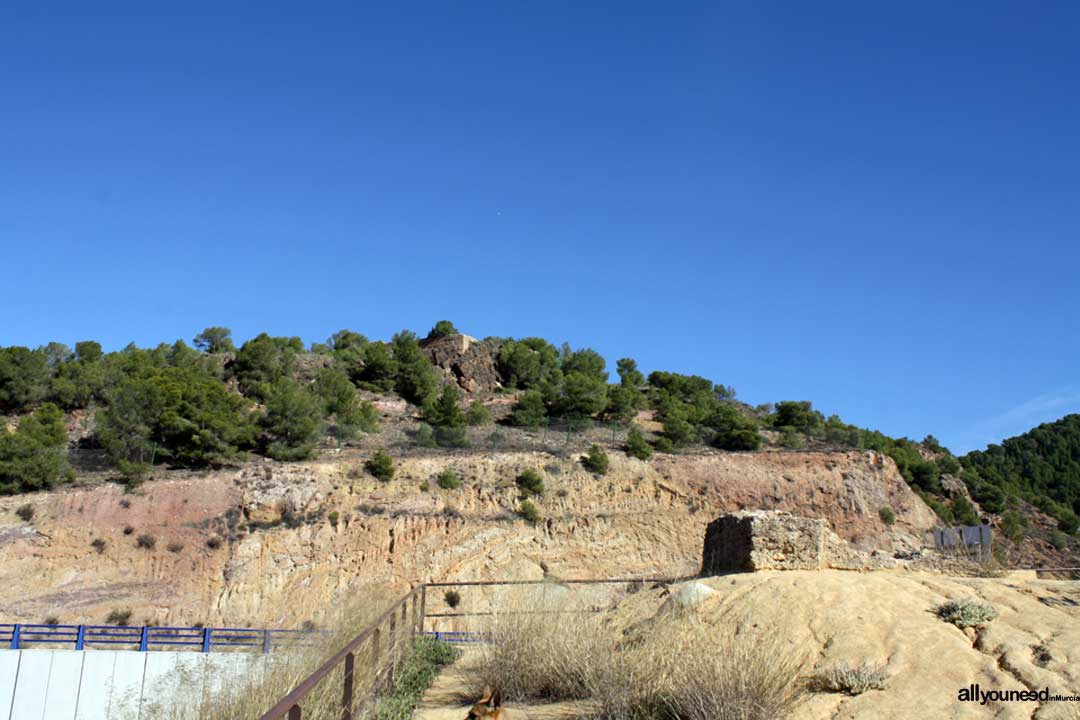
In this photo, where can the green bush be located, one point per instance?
(664, 445)
(118, 617)
(25, 512)
(262, 361)
(530, 482)
(1059, 540)
(791, 438)
(343, 405)
(636, 445)
(966, 613)
(442, 328)
(380, 465)
(290, 421)
(448, 480)
(852, 680)
(34, 457)
(964, 512)
(180, 415)
(529, 411)
(416, 379)
(887, 515)
(413, 677)
(24, 378)
(425, 436)
(528, 512)
(596, 461)
(477, 414)
(528, 363)
(1013, 525)
(145, 542)
(452, 598)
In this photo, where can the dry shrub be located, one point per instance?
(541, 647)
(853, 680)
(287, 667)
(677, 667)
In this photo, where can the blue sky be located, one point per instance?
(872, 208)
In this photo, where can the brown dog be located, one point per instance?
(488, 707)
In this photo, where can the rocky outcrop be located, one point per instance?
(469, 362)
(273, 543)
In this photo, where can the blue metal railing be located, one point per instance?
(205, 639)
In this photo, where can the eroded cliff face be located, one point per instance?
(278, 544)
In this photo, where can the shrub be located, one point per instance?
(442, 328)
(215, 340)
(1059, 540)
(425, 436)
(596, 461)
(477, 414)
(529, 410)
(34, 457)
(213, 542)
(128, 529)
(791, 438)
(1013, 525)
(664, 444)
(530, 482)
(425, 486)
(636, 445)
(844, 678)
(25, 512)
(528, 512)
(51, 620)
(333, 516)
(449, 480)
(381, 465)
(966, 613)
(99, 545)
(146, 542)
(175, 547)
(118, 617)
(452, 598)
(887, 515)
(412, 678)
(290, 421)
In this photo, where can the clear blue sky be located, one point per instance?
(872, 208)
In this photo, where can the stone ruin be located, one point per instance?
(774, 540)
(763, 540)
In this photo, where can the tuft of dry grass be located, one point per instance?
(676, 668)
(285, 668)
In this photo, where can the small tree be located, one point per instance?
(381, 465)
(530, 482)
(448, 480)
(596, 461)
(529, 410)
(528, 512)
(442, 328)
(290, 421)
(477, 414)
(215, 340)
(887, 515)
(636, 445)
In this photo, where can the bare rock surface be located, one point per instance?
(276, 544)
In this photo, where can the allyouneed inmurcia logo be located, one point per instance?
(975, 693)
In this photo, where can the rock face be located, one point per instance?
(761, 540)
(277, 543)
(469, 362)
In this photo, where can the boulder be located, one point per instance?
(469, 362)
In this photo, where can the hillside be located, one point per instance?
(1042, 467)
(278, 543)
(174, 412)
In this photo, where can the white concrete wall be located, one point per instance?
(112, 684)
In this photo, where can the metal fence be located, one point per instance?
(401, 623)
(21, 636)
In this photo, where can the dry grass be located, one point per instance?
(676, 668)
(284, 669)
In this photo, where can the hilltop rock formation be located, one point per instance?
(469, 362)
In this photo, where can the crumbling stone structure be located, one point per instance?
(764, 540)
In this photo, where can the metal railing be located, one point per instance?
(408, 613)
(20, 636)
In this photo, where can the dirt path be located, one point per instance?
(449, 698)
